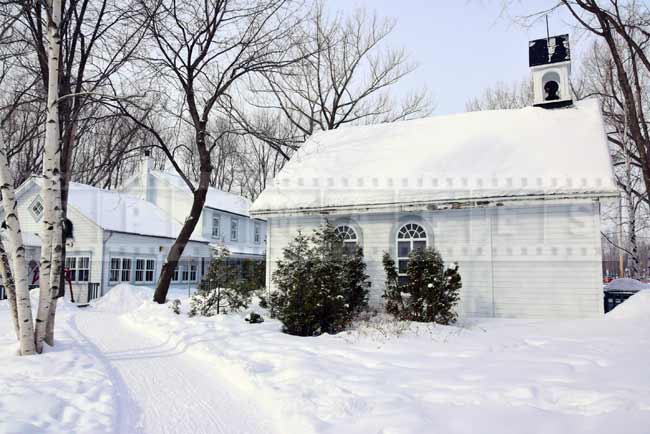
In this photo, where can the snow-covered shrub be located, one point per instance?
(430, 292)
(175, 306)
(320, 286)
(223, 289)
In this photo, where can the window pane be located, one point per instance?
(419, 245)
(403, 263)
(350, 248)
(403, 248)
(403, 280)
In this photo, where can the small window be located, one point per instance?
(120, 270)
(185, 273)
(349, 237)
(175, 273)
(258, 233)
(234, 229)
(410, 237)
(36, 208)
(216, 226)
(150, 270)
(144, 270)
(192, 273)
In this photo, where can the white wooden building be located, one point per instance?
(513, 196)
(124, 236)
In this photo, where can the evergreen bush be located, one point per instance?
(224, 288)
(430, 292)
(320, 286)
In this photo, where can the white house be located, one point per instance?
(124, 236)
(513, 196)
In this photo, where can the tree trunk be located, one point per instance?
(10, 287)
(176, 251)
(17, 254)
(200, 194)
(51, 232)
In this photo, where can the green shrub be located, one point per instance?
(320, 286)
(430, 292)
(224, 288)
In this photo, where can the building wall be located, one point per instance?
(87, 235)
(529, 261)
(178, 204)
(245, 244)
(119, 245)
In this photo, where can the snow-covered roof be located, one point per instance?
(216, 198)
(626, 284)
(120, 212)
(471, 156)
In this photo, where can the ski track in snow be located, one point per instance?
(176, 392)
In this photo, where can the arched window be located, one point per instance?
(349, 237)
(410, 237)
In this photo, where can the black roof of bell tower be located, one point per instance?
(549, 50)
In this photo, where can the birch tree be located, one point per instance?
(17, 255)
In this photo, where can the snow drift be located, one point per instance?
(124, 298)
(635, 307)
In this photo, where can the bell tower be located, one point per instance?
(550, 63)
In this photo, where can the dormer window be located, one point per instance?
(258, 233)
(216, 226)
(36, 208)
(234, 229)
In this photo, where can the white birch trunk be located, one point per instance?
(51, 183)
(10, 287)
(17, 254)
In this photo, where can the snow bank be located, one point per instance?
(386, 377)
(124, 298)
(635, 307)
(626, 284)
(65, 390)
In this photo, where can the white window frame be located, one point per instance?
(150, 270)
(146, 272)
(234, 229)
(78, 265)
(37, 201)
(193, 272)
(409, 229)
(257, 233)
(348, 236)
(216, 226)
(176, 273)
(121, 269)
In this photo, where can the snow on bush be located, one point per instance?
(320, 286)
(430, 292)
(635, 307)
(224, 288)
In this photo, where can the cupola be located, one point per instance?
(550, 63)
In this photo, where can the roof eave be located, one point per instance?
(432, 205)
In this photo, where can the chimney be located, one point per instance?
(550, 64)
(145, 177)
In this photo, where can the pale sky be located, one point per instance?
(464, 46)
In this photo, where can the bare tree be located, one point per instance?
(503, 96)
(345, 78)
(200, 51)
(13, 267)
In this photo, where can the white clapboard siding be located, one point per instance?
(515, 261)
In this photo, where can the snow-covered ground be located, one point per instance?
(128, 365)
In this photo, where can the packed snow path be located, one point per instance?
(162, 389)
